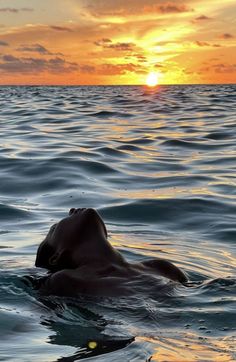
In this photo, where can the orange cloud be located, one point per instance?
(226, 36)
(201, 18)
(206, 44)
(60, 28)
(134, 7)
(118, 69)
(224, 68)
(168, 8)
(107, 43)
(158, 65)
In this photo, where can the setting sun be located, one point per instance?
(152, 79)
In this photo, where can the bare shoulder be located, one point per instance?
(70, 283)
(63, 283)
(166, 268)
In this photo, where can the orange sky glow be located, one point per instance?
(117, 42)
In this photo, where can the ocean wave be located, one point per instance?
(159, 165)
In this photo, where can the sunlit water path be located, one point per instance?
(160, 166)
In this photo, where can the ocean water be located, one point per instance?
(160, 166)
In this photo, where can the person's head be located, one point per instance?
(79, 238)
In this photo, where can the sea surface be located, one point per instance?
(160, 166)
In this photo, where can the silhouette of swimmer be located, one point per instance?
(82, 261)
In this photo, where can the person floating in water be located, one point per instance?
(80, 259)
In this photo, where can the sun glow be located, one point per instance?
(152, 79)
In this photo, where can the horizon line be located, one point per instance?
(110, 85)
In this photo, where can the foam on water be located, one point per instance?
(160, 166)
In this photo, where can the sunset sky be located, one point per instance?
(117, 41)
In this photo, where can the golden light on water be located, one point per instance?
(152, 79)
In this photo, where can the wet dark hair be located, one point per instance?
(44, 253)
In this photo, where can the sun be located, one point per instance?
(152, 79)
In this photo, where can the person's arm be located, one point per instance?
(166, 269)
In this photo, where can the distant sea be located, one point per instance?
(160, 166)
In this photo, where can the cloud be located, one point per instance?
(35, 48)
(103, 42)
(226, 36)
(9, 58)
(220, 68)
(202, 43)
(106, 40)
(118, 69)
(158, 65)
(3, 43)
(169, 8)
(87, 69)
(224, 68)
(201, 18)
(122, 46)
(57, 65)
(9, 10)
(27, 9)
(14, 10)
(206, 44)
(107, 43)
(140, 57)
(12, 64)
(60, 28)
(125, 8)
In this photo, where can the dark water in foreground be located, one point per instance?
(160, 167)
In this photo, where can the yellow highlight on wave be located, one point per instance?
(152, 79)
